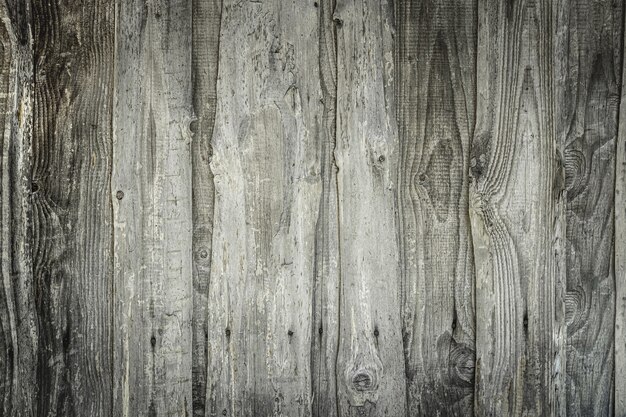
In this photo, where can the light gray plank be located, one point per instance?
(620, 256)
(151, 189)
(436, 82)
(370, 362)
(266, 165)
(516, 211)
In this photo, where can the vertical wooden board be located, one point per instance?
(18, 326)
(206, 28)
(325, 329)
(620, 254)
(151, 188)
(72, 228)
(587, 103)
(266, 167)
(436, 84)
(516, 211)
(370, 363)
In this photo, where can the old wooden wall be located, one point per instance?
(312, 208)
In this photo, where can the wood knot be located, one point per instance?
(119, 194)
(363, 381)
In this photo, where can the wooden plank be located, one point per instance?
(370, 362)
(325, 331)
(71, 242)
(206, 28)
(18, 326)
(436, 83)
(266, 167)
(587, 104)
(620, 255)
(151, 188)
(516, 211)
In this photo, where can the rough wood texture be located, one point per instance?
(436, 82)
(516, 212)
(206, 29)
(151, 194)
(325, 331)
(370, 365)
(266, 167)
(71, 237)
(620, 256)
(587, 105)
(312, 208)
(18, 325)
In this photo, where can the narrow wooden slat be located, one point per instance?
(206, 28)
(151, 189)
(620, 254)
(587, 102)
(436, 83)
(72, 228)
(18, 326)
(516, 211)
(370, 363)
(266, 165)
(325, 331)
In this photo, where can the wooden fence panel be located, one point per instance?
(587, 103)
(436, 85)
(312, 208)
(370, 365)
(151, 197)
(266, 166)
(517, 210)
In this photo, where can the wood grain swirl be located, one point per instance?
(436, 82)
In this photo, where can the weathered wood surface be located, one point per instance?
(152, 211)
(588, 105)
(205, 36)
(312, 208)
(516, 210)
(71, 209)
(620, 257)
(436, 113)
(18, 317)
(266, 167)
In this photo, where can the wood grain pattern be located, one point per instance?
(370, 366)
(71, 243)
(151, 190)
(266, 167)
(516, 212)
(206, 29)
(588, 103)
(436, 82)
(325, 329)
(620, 255)
(18, 326)
(312, 208)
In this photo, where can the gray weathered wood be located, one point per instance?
(324, 339)
(151, 193)
(620, 256)
(587, 102)
(206, 29)
(71, 231)
(18, 325)
(436, 84)
(266, 165)
(370, 365)
(516, 211)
